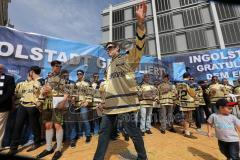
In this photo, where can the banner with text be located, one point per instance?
(223, 63)
(20, 50)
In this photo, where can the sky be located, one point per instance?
(77, 20)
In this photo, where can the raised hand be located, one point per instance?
(141, 11)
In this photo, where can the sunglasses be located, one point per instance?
(58, 66)
(109, 48)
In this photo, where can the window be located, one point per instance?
(181, 42)
(134, 29)
(128, 31)
(231, 32)
(146, 47)
(196, 39)
(191, 17)
(187, 2)
(167, 43)
(127, 14)
(178, 21)
(150, 28)
(206, 15)
(225, 11)
(118, 16)
(175, 3)
(118, 33)
(134, 11)
(105, 35)
(162, 5)
(152, 47)
(165, 22)
(211, 37)
(149, 9)
(105, 20)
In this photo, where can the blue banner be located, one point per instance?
(224, 63)
(20, 50)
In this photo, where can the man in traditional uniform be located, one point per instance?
(115, 133)
(199, 101)
(70, 123)
(215, 91)
(186, 99)
(147, 96)
(83, 102)
(28, 92)
(200, 105)
(95, 119)
(228, 87)
(166, 98)
(121, 91)
(53, 100)
(156, 106)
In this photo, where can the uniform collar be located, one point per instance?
(55, 74)
(80, 80)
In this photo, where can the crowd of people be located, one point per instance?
(39, 110)
(162, 104)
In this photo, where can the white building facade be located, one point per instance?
(175, 26)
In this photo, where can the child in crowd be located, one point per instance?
(226, 126)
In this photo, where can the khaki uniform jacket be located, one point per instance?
(59, 88)
(84, 94)
(28, 92)
(228, 89)
(186, 97)
(216, 92)
(19, 91)
(199, 97)
(121, 86)
(148, 94)
(96, 95)
(166, 94)
(102, 90)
